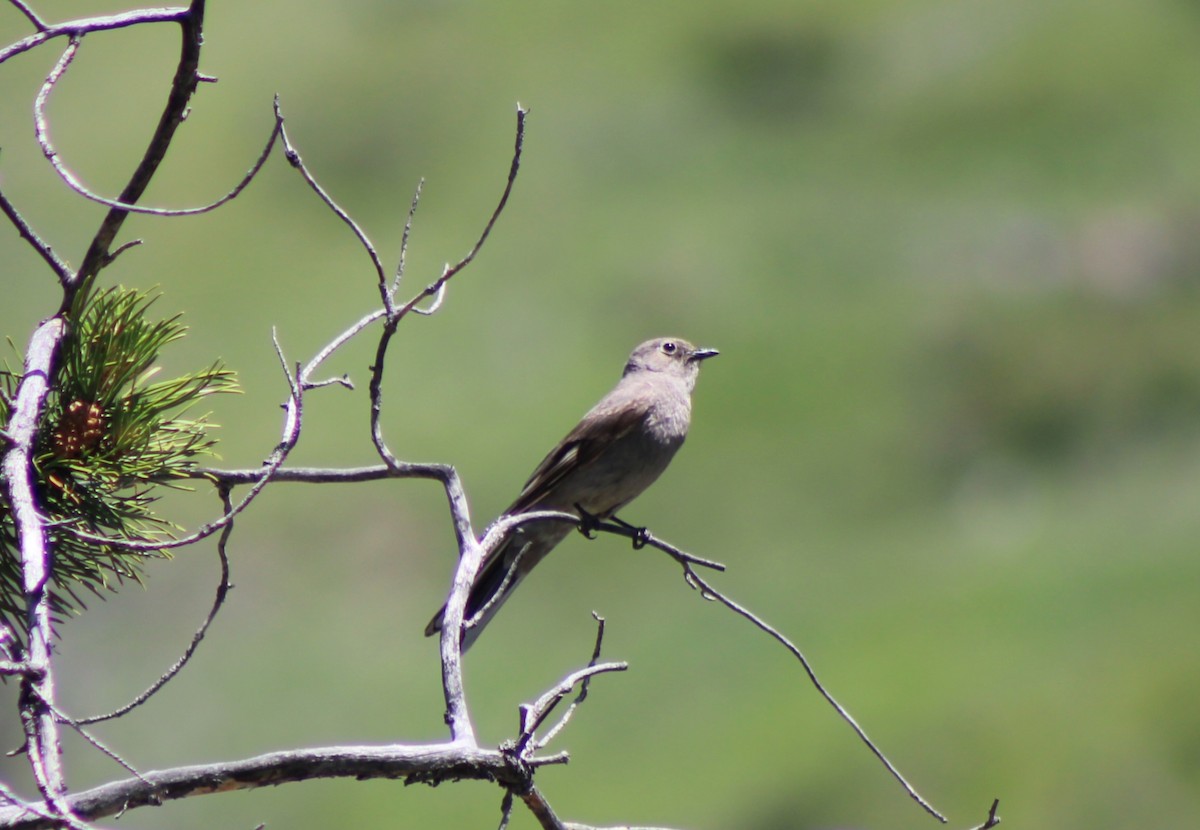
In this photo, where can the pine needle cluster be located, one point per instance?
(111, 436)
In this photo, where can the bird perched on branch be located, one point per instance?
(618, 450)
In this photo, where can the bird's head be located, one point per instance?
(671, 355)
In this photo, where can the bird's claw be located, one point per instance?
(640, 536)
(587, 523)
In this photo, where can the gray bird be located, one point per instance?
(618, 450)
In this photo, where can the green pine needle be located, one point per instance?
(111, 435)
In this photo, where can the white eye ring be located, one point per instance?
(669, 347)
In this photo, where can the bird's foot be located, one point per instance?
(640, 535)
(587, 522)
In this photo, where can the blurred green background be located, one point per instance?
(952, 446)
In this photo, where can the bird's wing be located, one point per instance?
(609, 421)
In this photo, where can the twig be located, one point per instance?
(293, 157)
(223, 587)
(42, 132)
(97, 743)
(992, 818)
(642, 537)
(506, 805)
(532, 717)
(541, 809)
(395, 315)
(571, 825)
(91, 24)
(293, 409)
(37, 22)
(450, 270)
(187, 76)
(60, 268)
(400, 263)
(12, 798)
(711, 593)
(335, 344)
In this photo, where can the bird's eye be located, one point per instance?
(669, 347)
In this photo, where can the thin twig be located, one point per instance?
(506, 805)
(223, 587)
(120, 249)
(183, 86)
(541, 809)
(92, 24)
(43, 249)
(400, 263)
(12, 798)
(642, 537)
(450, 270)
(709, 592)
(98, 744)
(24, 9)
(42, 131)
(293, 411)
(534, 715)
(293, 157)
(335, 344)
(529, 727)
(992, 818)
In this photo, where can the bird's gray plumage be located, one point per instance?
(616, 451)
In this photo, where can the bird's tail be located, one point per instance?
(493, 585)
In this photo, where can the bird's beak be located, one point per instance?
(702, 354)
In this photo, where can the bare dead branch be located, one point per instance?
(450, 270)
(42, 131)
(570, 825)
(47, 32)
(293, 157)
(642, 537)
(535, 714)
(992, 818)
(187, 76)
(333, 345)
(395, 315)
(458, 716)
(19, 482)
(29, 13)
(415, 763)
(541, 809)
(120, 249)
(532, 717)
(506, 805)
(96, 743)
(43, 249)
(304, 475)
(223, 587)
(408, 222)
(709, 592)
